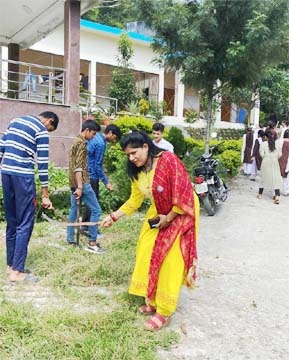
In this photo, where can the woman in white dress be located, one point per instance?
(270, 152)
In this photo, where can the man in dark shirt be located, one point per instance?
(96, 149)
(80, 186)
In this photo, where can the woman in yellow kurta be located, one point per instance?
(166, 254)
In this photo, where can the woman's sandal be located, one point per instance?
(276, 200)
(157, 322)
(259, 196)
(147, 310)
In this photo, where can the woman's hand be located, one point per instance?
(163, 223)
(106, 222)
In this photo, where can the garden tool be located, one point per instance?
(77, 220)
(65, 224)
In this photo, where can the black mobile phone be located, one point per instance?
(153, 222)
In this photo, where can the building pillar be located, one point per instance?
(234, 113)
(218, 111)
(72, 51)
(161, 84)
(92, 77)
(179, 96)
(13, 71)
(255, 113)
(1, 71)
(4, 68)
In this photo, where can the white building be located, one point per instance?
(98, 53)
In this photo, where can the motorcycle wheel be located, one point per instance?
(209, 205)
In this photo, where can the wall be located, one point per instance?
(101, 47)
(61, 139)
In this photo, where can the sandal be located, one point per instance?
(147, 310)
(276, 200)
(259, 196)
(157, 322)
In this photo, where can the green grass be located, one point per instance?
(85, 311)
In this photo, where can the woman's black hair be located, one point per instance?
(271, 140)
(137, 139)
(286, 134)
(261, 133)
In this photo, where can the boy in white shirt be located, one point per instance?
(158, 130)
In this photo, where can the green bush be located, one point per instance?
(235, 145)
(57, 178)
(228, 152)
(115, 166)
(176, 138)
(231, 160)
(192, 144)
(59, 191)
(128, 123)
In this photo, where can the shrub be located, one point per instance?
(158, 109)
(176, 137)
(231, 160)
(191, 144)
(143, 106)
(127, 123)
(235, 145)
(115, 166)
(191, 116)
(58, 190)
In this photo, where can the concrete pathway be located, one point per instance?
(240, 307)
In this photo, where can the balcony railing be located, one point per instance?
(39, 83)
(97, 104)
(32, 82)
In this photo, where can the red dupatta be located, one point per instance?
(172, 186)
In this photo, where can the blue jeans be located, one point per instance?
(89, 198)
(29, 80)
(19, 196)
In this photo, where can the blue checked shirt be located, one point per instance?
(95, 150)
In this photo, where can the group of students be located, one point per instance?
(268, 153)
(166, 252)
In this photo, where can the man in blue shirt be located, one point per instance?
(25, 140)
(96, 149)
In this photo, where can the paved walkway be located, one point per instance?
(240, 307)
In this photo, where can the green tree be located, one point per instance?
(115, 13)
(274, 92)
(122, 86)
(219, 42)
(176, 137)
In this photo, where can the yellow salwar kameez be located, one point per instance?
(171, 275)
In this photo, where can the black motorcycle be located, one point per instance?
(209, 186)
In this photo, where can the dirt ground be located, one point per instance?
(240, 307)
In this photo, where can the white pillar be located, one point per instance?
(161, 85)
(218, 100)
(4, 68)
(179, 96)
(255, 112)
(234, 112)
(92, 77)
(218, 117)
(1, 73)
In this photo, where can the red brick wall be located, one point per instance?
(60, 140)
